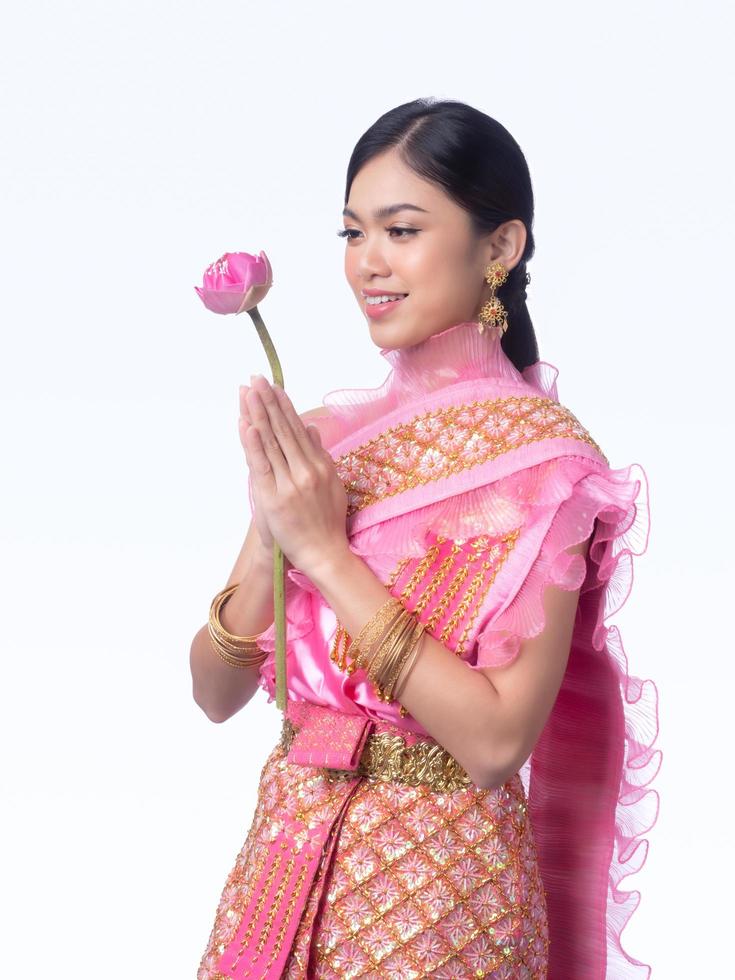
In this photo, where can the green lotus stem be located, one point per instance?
(279, 568)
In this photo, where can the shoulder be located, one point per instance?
(532, 417)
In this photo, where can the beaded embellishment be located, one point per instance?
(439, 443)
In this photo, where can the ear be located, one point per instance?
(508, 242)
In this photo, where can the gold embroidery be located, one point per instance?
(495, 552)
(449, 593)
(272, 872)
(421, 883)
(397, 571)
(286, 916)
(436, 580)
(265, 934)
(439, 443)
(492, 565)
(437, 892)
(339, 656)
(420, 570)
(467, 598)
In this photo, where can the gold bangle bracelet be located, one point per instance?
(366, 657)
(388, 676)
(237, 651)
(408, 667)
(236, 661)
(217, 603)
(214, 616)
(388, 643)
(366, 638)
(383, 662)
(410, 644)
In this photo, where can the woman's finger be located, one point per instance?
(294, 419)
(294, 452)
(244, 410)
(243, 425)
(260, 465)
(268, 441)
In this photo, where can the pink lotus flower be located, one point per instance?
(237, 281)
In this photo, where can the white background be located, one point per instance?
(142, 140)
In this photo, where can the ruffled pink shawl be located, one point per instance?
(457, 445)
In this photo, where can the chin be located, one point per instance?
(394, 335)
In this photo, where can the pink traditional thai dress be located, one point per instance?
(467, 480)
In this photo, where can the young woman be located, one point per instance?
(460, 782)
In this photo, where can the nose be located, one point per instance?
(371, 261)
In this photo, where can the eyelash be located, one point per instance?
(347, 232)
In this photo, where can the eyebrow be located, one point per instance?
(385, 212)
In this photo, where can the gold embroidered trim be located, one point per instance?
(387, 757)
(493, 557)
(489, 551)
(439, 443)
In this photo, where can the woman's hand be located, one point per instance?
(301, 499)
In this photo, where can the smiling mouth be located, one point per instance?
(383, 299)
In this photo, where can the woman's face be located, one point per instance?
(426, 249)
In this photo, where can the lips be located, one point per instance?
(375, 310)
(378, 292)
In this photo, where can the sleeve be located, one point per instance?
(575, 503)
(475, 566)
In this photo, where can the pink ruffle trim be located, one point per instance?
(615, 504)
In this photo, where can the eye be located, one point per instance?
(348, 233)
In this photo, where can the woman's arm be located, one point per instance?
(219, 689)
(488, 719)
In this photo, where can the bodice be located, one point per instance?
(441, 576)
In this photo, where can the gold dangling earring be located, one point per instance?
(493, 314)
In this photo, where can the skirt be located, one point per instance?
(362, 862)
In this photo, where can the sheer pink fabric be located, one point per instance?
(588, 775)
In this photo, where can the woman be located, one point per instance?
(459, 785)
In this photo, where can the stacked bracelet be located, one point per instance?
(387, 647)
(406, 670)
(237, 651)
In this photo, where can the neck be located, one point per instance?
(457, 354)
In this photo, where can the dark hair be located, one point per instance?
(482, 168)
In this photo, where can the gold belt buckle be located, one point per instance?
(387, 757)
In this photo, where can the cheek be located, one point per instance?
(445, 292)
(428, 273)
(351, 270)
(431, 267)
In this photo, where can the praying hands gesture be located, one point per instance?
(300, 500)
